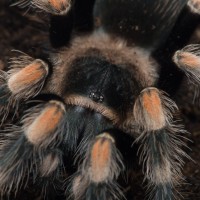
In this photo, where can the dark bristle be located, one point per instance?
(81, 134)
(163, 192)
(98, 192)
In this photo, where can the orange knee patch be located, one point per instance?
(27, 76)
(45, 123)
(101, 159)
(187, 59)
(153, 108)
(152, 103)
(59, 4)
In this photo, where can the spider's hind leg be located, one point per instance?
(161, 143)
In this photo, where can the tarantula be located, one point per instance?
(72, 119)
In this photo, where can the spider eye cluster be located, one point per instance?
(96, 96)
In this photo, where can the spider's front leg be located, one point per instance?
(31, 151)
(29, 148)
(24, 80)
(161, 143)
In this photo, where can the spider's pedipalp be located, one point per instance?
(99, 171)
(161, 143)
(26, 151)
(23, 81)
(188, 60)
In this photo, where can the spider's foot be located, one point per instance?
(99, 170)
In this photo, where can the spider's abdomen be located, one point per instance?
(144, 23)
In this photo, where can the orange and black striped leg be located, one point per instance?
(99, 170)
(31, 151)
(161, 143)
(23, 81)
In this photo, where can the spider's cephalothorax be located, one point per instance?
(74, 117)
